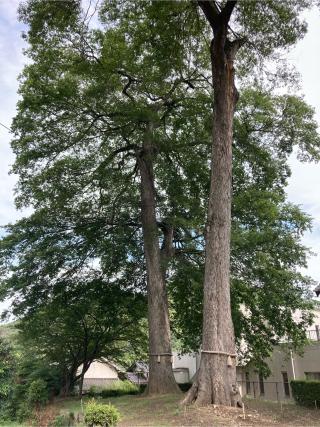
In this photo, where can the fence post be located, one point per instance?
(254, 390)
(277, 392)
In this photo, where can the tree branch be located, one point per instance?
(129, 83)
(226, 12)
(215, 16)
(211, 12)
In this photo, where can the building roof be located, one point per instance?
(139, 366)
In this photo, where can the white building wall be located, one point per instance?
(101, 370)
(189, 361)
(281, 360)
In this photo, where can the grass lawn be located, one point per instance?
(166, 411)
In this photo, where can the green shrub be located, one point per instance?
(120, 388)
(63, 420)
(59, 421)
(24, 412)
(94, 391)
(185, 386)
(142, 387)
(117, 388)
(38, 393)
(98, 414)
(306, 392)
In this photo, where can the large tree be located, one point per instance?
(79, 152)
(232, 26)
(97, 107)
(267, 286)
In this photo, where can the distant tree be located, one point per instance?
(88, 321)
(8, 361)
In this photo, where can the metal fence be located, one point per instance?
(268, 390)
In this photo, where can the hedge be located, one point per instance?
(185, 386)
(118, 388)
(121, 388)
(306, 392)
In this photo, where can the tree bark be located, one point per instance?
(85, 367)
(216, 378)
(161, 378)
(66, 388)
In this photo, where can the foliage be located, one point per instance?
(38, 393)
(7, 365)
(117, 388)
(121, 388)
(32, 376)
(8, 361)
(76, 157)
(62, 420)
(184, 387)
(306, 392)
(100, 320)
(266, 248)
(98, 414)
(23, 412)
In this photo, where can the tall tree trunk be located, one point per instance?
(161, 378)
(216, 378)
(66, 388)
(84, 370)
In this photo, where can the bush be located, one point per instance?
(98, 414)
(62, 421)
(306, 392)
(117, 388)
(185, 386)
(24, 412)
(142, 388)
(38, 393)
(120, 388)
(94, 391)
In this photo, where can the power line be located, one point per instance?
(6, 127)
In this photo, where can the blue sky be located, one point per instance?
(303, 186)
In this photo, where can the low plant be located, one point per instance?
(60, 420)
(24, 412)
(306, 392)
(119, 388)
(38, 393)
(99, 414)
(184, 386)
(94, 391)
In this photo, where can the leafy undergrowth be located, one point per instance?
(166, 411)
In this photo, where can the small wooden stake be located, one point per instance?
(243, 411)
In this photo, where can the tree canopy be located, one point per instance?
(87, 97)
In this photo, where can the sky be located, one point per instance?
(303, 185)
